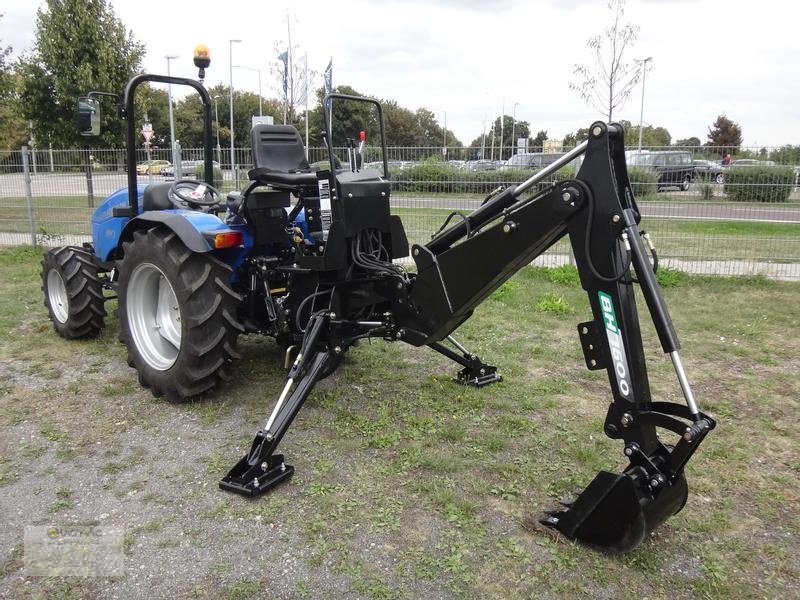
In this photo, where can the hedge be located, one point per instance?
(759, 183)
(200, 173)
(435, 177)
(643, 181)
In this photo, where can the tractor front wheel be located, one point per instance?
(73, 292)
(177, 315)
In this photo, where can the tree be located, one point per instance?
(726, 134)
(401, 125)
(537, 143)
(153, 104)
(651, 136)
(606, 84)
(80, 46)
(188, 116)
(691, 141)
(573, 139)
(509, 131)
(13, 132)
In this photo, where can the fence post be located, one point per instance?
(50, 149)
(89, 183)
(26, 178)
(177, 166)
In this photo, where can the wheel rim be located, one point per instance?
(57, 295)
(154, 316)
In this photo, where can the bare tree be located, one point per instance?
(606, 84)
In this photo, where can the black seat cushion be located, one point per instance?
(156, 197)
(281, 179)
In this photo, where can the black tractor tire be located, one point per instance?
(177, 315)
(73, 293)
(720, 178)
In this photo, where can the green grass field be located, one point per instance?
(407, 485)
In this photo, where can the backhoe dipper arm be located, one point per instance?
(460, 267)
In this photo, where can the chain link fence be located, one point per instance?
(705, 216)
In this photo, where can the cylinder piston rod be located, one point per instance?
(685, 387)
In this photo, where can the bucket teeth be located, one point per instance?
(551, 521)
(566, 503)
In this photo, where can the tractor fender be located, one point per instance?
(188, 225)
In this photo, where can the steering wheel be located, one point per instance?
(186, 193)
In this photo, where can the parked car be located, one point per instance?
(533, 160)
(709, 169)
(152, 167)
(674, 167)
(752, 162)
(188, 168)
(484, 165)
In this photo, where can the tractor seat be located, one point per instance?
(279, 158)
(156, 197)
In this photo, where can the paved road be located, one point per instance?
(69, 184)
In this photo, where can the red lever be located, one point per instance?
(362, 135)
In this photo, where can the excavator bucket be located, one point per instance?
(616, 512)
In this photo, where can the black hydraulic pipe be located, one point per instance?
(649, 285)
(128, 97)
(475, 220)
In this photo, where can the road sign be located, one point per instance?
(147, 131)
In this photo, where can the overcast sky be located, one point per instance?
(464, 57)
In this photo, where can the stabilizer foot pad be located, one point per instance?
(248, 480)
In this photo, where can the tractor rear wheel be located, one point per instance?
(73, 293)
(177, 315)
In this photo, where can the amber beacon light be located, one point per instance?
(202, 59)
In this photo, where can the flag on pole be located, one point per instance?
(328, 76)
(284, 56)
(302, 92)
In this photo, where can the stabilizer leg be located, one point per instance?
(261, 469)
(475, 372)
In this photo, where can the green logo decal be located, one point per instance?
(615, 344)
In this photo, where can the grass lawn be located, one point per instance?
(407, 485)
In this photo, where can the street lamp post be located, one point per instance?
(502, 127)
(513, 127)
(170, 57)
(641, 111)
(260, 107)
(234, 172)
(216, 119)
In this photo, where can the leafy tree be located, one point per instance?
(509, 131)
(726, 134)
(80, 46)
(651, 136)
(786, 155)
(430, 133)
(401, 125)
(691, 141)
(154, 104)
(573, 139)
(189, 117)
(348, 119)
(13, 132)
(538, 142)
(606, 84)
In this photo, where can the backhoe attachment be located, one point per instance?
(462, 265)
